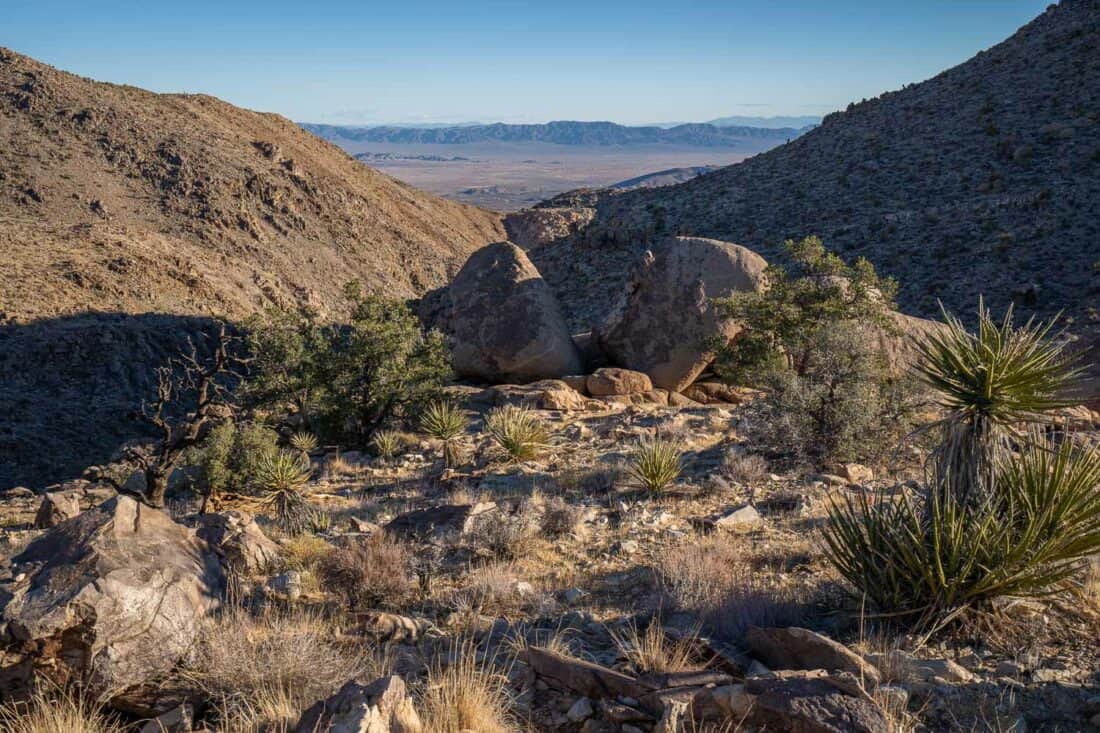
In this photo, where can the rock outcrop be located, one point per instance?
(667, 324)
(112, 598)
(505, 322)
(383, 706)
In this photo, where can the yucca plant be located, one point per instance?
(386, 443)
(305, 442)
(931, 558)
(319, 522)
(656, 464)
(281, 478)
(446, 423)
(989, 383)
(519, 433)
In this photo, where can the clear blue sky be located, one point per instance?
(425, 60)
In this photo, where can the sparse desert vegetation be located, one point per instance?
(729, 495)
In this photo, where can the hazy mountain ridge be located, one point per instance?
(983, 179)
(560, 133)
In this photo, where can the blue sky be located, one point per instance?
(430, 61)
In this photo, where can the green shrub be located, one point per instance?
(932, 558)
(347, 379)
(656, 464)
(1006, 510)
(282, 479)
(519, 433)
(443, 421)
(229, 458)
(446, 423)
(988, 384)
(811, 340)
(386, 443)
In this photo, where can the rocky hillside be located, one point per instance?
(665, 177)
(122, 202)
(982, 180)
(560, 133)
(117, 199)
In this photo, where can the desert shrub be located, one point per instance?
(462, 695)
(517, 431)
(811, 340)
(305, 552)
(347, 379)
(745, 468)
(560, 518)
(281, 479)
(264, 670)
(720, 581)
(304, 441)
(988, 384)
(63, 712)
(446, 423)
(386, 443)
(230, 457)
(1006, 509)
(656, 463)
(933, 557)
(652, 651)
(507, 538)
(375, 571)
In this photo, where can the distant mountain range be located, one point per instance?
(560, 133)
(767, 122)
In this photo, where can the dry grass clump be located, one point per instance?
(305, 552)
(656, 464)
(507, 538)
(518, 432)
(496, 589)
(378, 570)
(464, 696)
(560, 518)
(264, 670)
(63, 712)
(652, 651)
(745, 468)
(714, 577)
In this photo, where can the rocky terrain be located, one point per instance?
(560, 133)
(982, 180)
(114, 200)
(664, 178)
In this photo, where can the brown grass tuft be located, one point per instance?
(465, 696)
(378, 570)
(64, 712)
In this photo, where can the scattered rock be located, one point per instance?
(585, 678)
(286, 586)
(442, 520)
(717, 393)
(113, 597)
(240, 541)
(857, 473)
(581, 710)
(797, 648)
(56, 507)
(383, 706)
(903, 664)
(745, 517)
(811, 702)
(614, 381)
(546, 394)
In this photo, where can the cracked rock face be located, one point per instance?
(506, 323)
(112, 597)
(668, 320)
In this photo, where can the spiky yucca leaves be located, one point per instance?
(656, 464)
(933, 558)
(446, 423)
(304, 441)
(282, 478)
(442, 420)
(989, 383)
(517, 431)
(386, 443)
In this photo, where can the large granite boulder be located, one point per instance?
(506, 325)
(112, 597)
(240, 542)
(667, 323)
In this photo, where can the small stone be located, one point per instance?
(857, 473)
(756, 668)
(581, 710)
(740, 518)
(573, 595)
(1008, 668)
(628, 728)
(286, 585)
